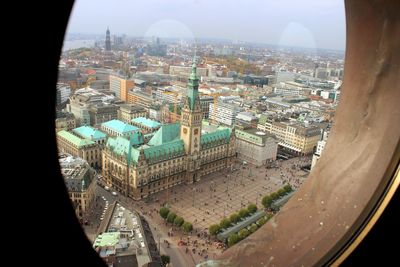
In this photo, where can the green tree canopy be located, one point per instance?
(178, 221)
(187, 227)
(261, 221)
(171, 217)
(164, 212)
(225, 223)
(281, 192)
(234, 218)
(288, 188)
(165, 259)
(243, 213)
(233, 239)
(253, 228)
(252, 208)
(243, 233)
(214, 229)
(274, 195)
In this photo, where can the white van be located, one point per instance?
(107, 188)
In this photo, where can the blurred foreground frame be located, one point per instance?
(356, 176)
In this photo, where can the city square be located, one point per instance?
(223, 193)
(215, 196)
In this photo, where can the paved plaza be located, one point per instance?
(205, 203)
(221, 194)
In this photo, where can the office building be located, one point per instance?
(224, 113)
(63, 93)
(65, 121)
(205, 102)
(121, 86)
(127, 112)
(146, 125)
(79, 179)
(118, 128)
(79, 147)
(255, 146)
(294, 137)
(90, 133)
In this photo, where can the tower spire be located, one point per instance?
(193, 84)
(108, 40)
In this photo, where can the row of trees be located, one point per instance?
(178, 221)
(232, 220)
(245, 232)
(269, 199)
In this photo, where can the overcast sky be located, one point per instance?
(302, 23)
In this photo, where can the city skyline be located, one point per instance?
(309, 24)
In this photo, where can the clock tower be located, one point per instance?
(191, 119)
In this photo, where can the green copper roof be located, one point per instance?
(217, 136)
(146, 122)
(126, 147)
(119, 145)
(120, 126)
(75, 140)
(193, 86)
(89, 133)
(165, 151)
(137, 139)
(167, 133)
(107, 239)
(123, 146)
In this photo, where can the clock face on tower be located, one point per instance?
(184, 130)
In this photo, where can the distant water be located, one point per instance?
(77, 44)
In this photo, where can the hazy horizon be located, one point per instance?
(308, 24)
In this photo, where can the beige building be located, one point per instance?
(127, 112)
(293, 137)
(79, 147)
(177, 153)
(146, 125)
(65, 121)
(121, 86)
(256, 147)
(140, 98)
(79, 179)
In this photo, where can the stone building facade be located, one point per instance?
(79, 147)
(177, 153)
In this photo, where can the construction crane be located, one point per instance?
(175, 103)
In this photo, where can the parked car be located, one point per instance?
(107, 188)
(114, 193)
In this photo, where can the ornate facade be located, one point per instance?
(177, 153)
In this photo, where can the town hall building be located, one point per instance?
(177, 153)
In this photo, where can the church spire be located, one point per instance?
(193, 84)
(108, 40)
